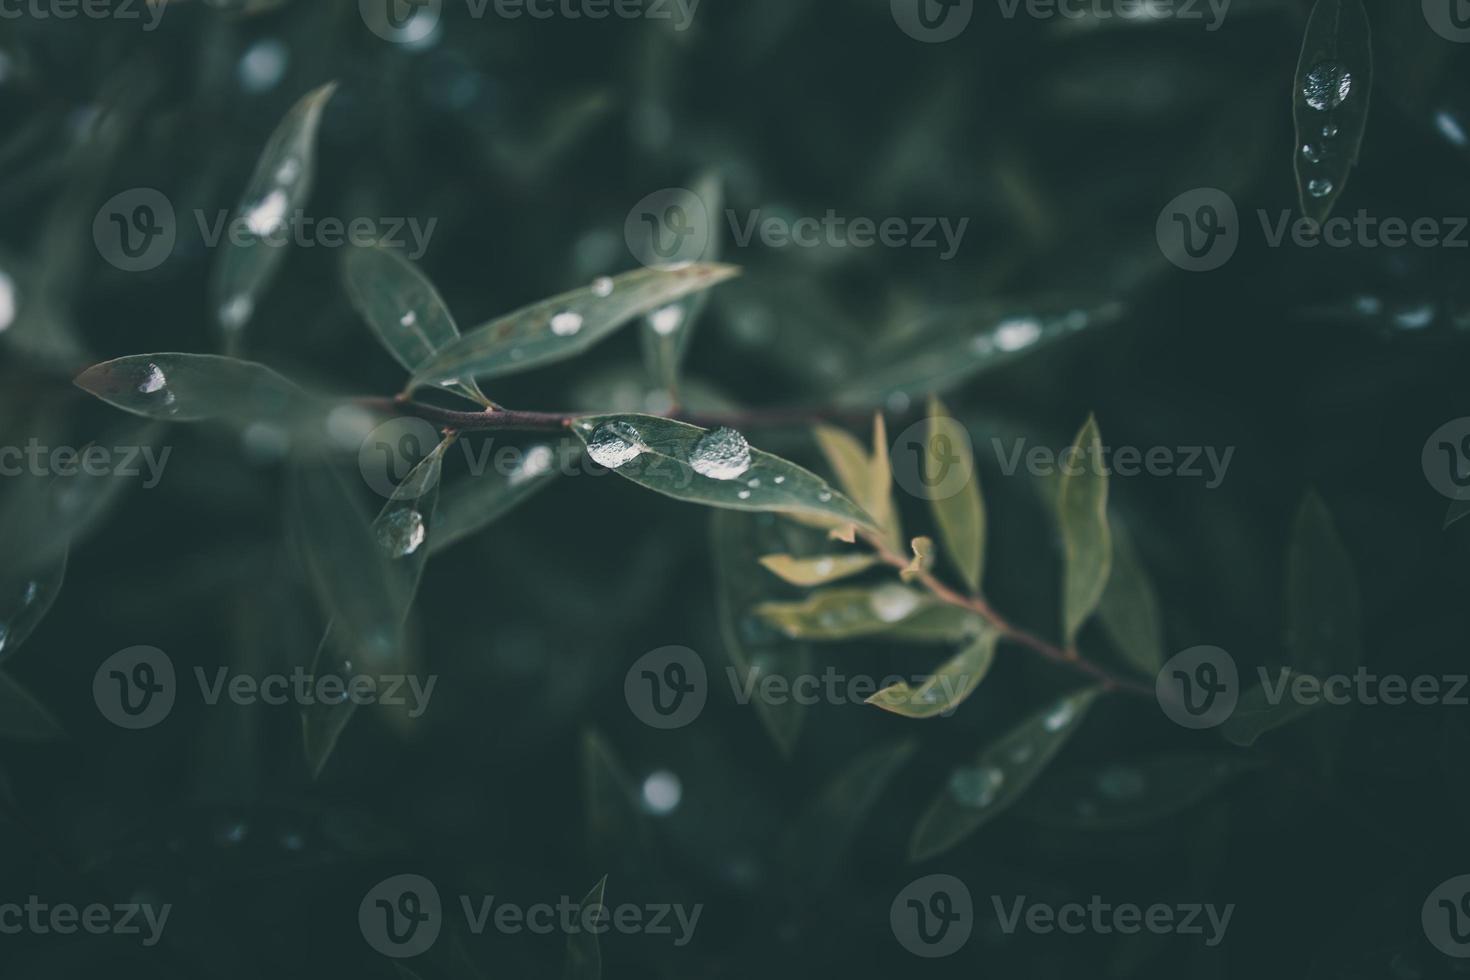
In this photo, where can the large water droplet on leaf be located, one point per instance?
(402, 532)
(153, 380)
(566, 324)
(721, 455)
(892, 603)
(1327, 85)
(614, 444)
(667, 320)
(1319, 187)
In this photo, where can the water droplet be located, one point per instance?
(402, 532)
(743, 495)
(1451, 128)
(153, 381)
(236, 311)
(823, 567)
(897, 401)
(1368, 305)
(1060, 716)
(825, 496)
(8, 302)
(33, 589)
(722, 454)
(1327, 85)
(263, 65)
(602, 286)
(408, 319)
(662, 792)
(566, 324)
(1329, 131)
(976, 786)
(537, 462)
(892, 603)
(1414, 317)
(269, 215)
(1120, 782)
(288, 171)
(1016, 334)
(4, 635)
(614, 444)
(1311, 153)
(1319, 187)
(781, 479)
(667, 320)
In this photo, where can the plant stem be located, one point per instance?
(505, 419)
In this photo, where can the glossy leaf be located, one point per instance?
(756, 650)
(845, 612)
(473, 504)
(1330, 95)
(584, 955)
(22, 717)
(1260, 710)
(1134, 794)
(953, 682)
(403, 309)
(1000, 775)
(666, 331)
(565, 325)
(818, 570)
(662, 454)
(1130, 608)
(960, 516)
(1087, 548)
(278, 189)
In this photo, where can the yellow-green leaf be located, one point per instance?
(818, 570)
(1087, 549)
(942, 692)
(845, 612)
(1130, 609)
(960, 516)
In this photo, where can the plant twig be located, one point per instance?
(506, 419)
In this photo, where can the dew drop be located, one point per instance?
(1013, 335)
(753, 483)
(268, 216)
(1329, 131)
(1414, 317)
(1319, 187)
(602, 286)
(33, 589)
(566, 324)
(743, 495)
(8, 303)
(153, 381)
(537, 462)
(823, 567)
(1060, 716)
(402, 532)
(722, 454)
(236, 311)
(408, 319)
(1327, 85)
(976, 786)
(263, 65)
(892, 603)
(781, 479)
(288, 171)
(825, 496)
(667, 320)
(662, 792)
(1311, 154)
(4, 635)
(614, 444)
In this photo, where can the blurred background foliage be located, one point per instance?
(529, 141)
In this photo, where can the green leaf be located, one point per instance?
(471, 505)
(868, 480)
(1323, 611)
(667, 456)
(403, 309)
(845, 612)
(565, 325)
(1082, 508)
(584, 956)
(26, 596)
(960, 516)
(999, 777)
(1123, 796)
(1256, 713)
(817, 570)
(1334, 79)
(954, 681)
(279, 187)
(666, 331)
(937, 623)
(755, 650)
(22, 717)
(1130, 609)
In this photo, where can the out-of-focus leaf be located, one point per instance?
(1334, 79)
(403, 308)
(278, 189)
(1323, 614)
(922, 561)
(26, 596)
(564, 325)
(673, 458)
(584, 956)
(366, 576)
(1087, 548)
(667, 330)
(829, 823)
(1260, 710)
(937, 623)
(953, 682)
(1000, 775)
(868, 480)
(818, 570)
(756, 651)
(471, 505)
(960, 516)
(1130, 609)
(846, 612)
(1127, 795)
(22, 717)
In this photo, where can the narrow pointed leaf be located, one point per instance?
(26, 596)
(878, 498)
(1001, 774)
(845, 612)
(1130, 609)
(1134, 794)
(847, 457)
(22, 717)
(668, 456)
(960, 516)
(954, 681)
(278, 189)
(584, 955)
(471, 505)
(565, 325)
(818, 570)
(1334, 78)
(666, 331)
(403, 309)
(1087, 548)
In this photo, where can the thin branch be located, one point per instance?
(505, 419)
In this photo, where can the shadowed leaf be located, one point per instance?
(960, 516)
(1082, 508)
(1334, 78)
(953, 682)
